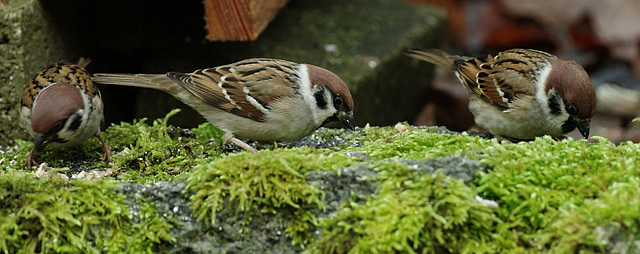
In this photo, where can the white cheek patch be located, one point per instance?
(306, 90)
(540, 86)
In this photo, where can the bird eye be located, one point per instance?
(337, 101)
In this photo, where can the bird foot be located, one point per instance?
(30, 162)
(228, 137)
(106, 152)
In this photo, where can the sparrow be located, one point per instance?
(260, 99)
(522, 93)
(61, 107)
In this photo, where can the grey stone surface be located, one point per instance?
(456, 167)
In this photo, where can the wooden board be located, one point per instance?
(239, 20)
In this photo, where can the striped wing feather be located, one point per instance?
(502, 79)
(246, 88)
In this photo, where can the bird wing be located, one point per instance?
(502, 79)
(246, 88)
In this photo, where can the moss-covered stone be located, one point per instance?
(273, 181)
(53, 215)
(159, 152)
(378, 189)
(411, 212)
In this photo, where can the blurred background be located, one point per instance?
(603, 36)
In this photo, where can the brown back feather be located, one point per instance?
(228, 86)
(498, 80)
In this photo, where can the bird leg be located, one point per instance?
(105, 149)
(228, 137)
(31, 158)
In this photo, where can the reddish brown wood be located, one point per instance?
(239, 20)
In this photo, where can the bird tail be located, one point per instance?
(153, 81)
(438, 57)
(83, 62)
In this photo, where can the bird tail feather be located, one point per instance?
(437, 57)
(153, 81)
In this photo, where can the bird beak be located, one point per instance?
(583, 125)
(40, 143)
(347, 119)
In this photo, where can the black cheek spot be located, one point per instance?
(76, 120)
(320, 101)
(554, 104)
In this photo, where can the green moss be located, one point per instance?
(14, 156)
(554, 194)
(154, 152)
(153, 230)
(411, 212)
(418, 144)
(52, 215)
(270, 181)
(206, 132)
(583, 228)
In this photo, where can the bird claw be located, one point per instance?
(30, 162)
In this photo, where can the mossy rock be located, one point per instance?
(377, 189)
